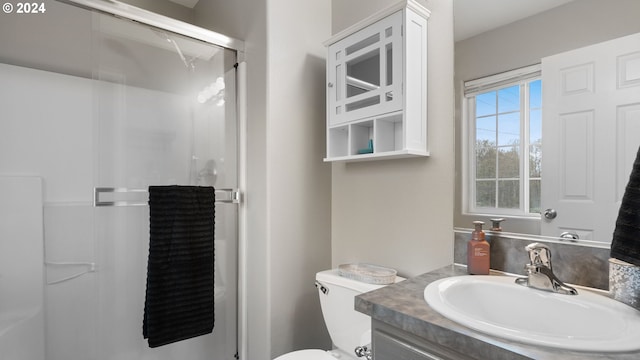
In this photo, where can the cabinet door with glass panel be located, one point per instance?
(363, 80)
(377, 86)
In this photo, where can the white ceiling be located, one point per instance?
(473, 17)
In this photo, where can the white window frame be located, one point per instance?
(472, 88)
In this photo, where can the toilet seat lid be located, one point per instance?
(307, 355)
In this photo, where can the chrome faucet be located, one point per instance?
(540, 275)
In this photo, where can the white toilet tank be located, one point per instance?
(347, 327)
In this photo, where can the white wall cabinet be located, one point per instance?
(377, 86)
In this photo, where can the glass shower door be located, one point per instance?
(164, 114)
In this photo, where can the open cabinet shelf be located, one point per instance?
(369, 139)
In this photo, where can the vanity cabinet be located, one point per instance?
(377, 86)
(391, 343)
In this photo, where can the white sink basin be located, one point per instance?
(496, 305)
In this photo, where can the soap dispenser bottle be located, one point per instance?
(478, 254)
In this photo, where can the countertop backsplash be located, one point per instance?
(572, 263)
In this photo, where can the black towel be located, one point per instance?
(626, 237)
(179, 301)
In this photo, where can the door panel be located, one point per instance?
(591, 133)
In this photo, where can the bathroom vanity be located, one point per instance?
(405, 327)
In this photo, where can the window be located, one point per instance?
(504, 125)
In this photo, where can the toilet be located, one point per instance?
(347, 327)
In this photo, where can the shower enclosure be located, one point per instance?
(128, 106)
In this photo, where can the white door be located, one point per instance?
(591, 134)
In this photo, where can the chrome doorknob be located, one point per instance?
(550, 214)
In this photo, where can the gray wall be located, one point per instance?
(26, 39)
(526, 42)
(397, 213)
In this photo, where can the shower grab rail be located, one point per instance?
(225, 196)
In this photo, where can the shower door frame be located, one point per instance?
(122, 10)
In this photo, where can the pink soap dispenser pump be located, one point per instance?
(478, 252)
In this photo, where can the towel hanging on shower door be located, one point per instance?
(625, 245)
(179, 302)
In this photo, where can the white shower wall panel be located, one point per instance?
(71, 306)
(21, 270)
(144, 137)
(46, 130)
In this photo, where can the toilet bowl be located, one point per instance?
(315, 354)
(337, 294)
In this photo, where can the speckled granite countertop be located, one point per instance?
(402, 305)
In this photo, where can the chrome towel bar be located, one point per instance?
(139, 197)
